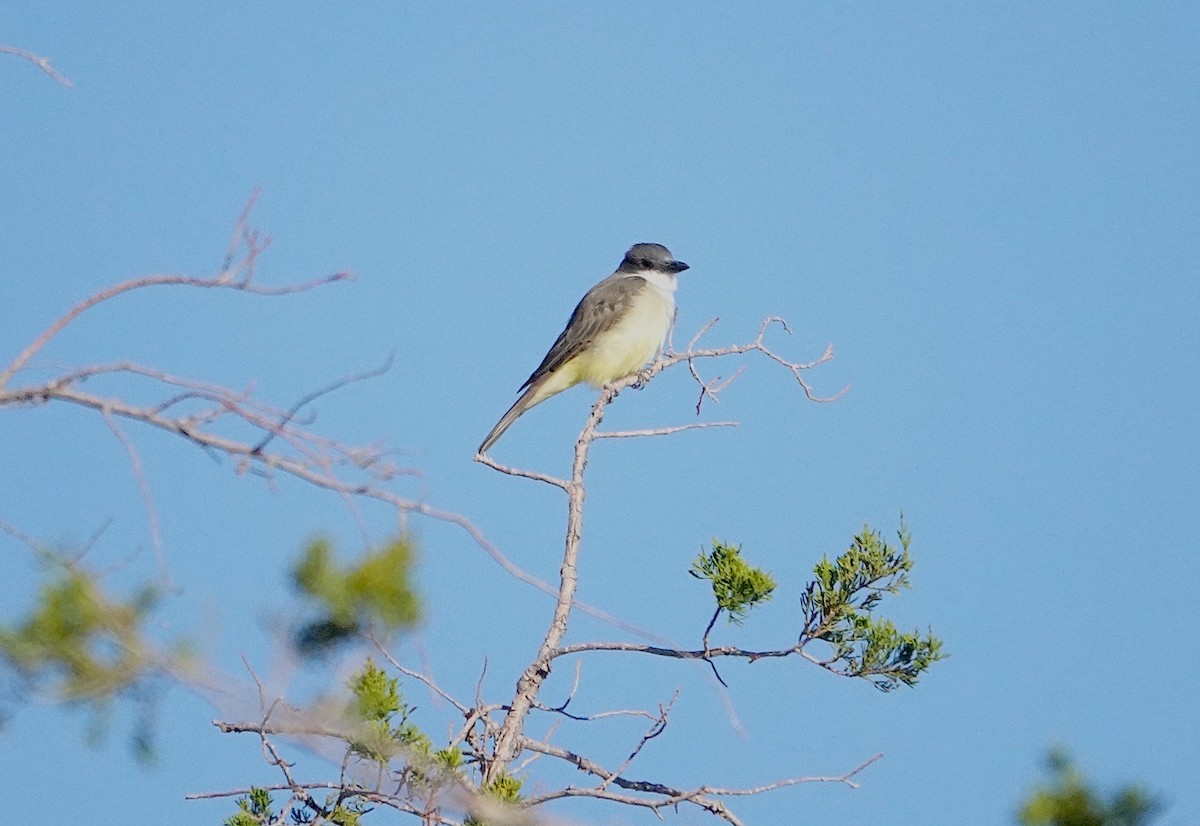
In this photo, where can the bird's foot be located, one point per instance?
(643, 378)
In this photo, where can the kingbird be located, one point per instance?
(619, 325)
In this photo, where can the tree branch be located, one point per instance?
(661, 431)
(351, 471)
(42, 63)
(530, 682)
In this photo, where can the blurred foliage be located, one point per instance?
(1068, 800)
(375, 593)
(83, 647)
(83, 643)
(838, 605)
(737, 586)
(504, 788)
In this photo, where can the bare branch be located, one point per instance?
(42, 63)
(708, 630)
(243, 234)
(484, 459)
(667, 795)
(703, 331)
(311, 458)
(660, 431)
(143, 282)
(712, 388)
(530, 682)
(416, 675)
(793, 781)
(677, 653)
(562, 707)
(659, 726)
(34, 545)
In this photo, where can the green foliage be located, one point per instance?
(376, 695)
(377, 700)
(86, 648)
(347, 813)
(387, 731)
(736, 585)
(374, 593)
(1069, 801)
(505, 788)
(89, 645)
(384, 733)
(838, 606)
(254, 809)
(448, 759)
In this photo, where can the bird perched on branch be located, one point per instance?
(619, 325)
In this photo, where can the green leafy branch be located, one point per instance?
(258, 809)
(387, 731)
(737, 586)
(838, 608)
(255, 809)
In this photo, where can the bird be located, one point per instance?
(618, 326)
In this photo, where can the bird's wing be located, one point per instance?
(599, 310)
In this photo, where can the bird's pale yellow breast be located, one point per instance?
(624, 348)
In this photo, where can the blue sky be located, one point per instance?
(990, 210)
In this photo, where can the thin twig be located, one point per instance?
(41, 550)
(152, 281)
(484, 459)
(139, 473)
(708, 630)
(793, 781)
(677, 653)
(664, 794)
(660, 431)
(659, 726)
(416, 675)
(42, 63)
(324, 391)
(562, 707)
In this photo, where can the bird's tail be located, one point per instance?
(520, 406)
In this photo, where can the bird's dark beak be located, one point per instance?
(678, 266)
